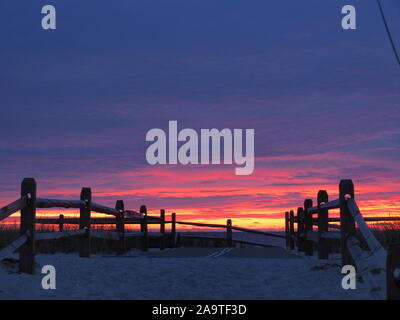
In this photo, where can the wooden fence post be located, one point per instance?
(393, 271)
(84, 223)
(291, 230)
(323, 243)
(347, 224)
(144, 229)
(229, 233)
(61, 222)
(162, 229)
(300, 229)
(173, 229)
(120, 226)
(27, 225)
(287, 231)
(308, 203)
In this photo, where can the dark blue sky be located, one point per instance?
(77, 102)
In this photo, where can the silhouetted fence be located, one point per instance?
(121, 217)
(372, 262)
(231, 238)
(360, 249)
(29, 202)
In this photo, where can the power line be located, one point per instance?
(388, 32)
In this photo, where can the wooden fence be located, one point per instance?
(372, 264)
(378, 268)
(232, 238)
(29, 202)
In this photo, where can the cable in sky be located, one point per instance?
(388, 32)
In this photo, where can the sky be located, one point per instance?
(76, 103)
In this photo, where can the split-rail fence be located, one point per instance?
(359, 247)
(378, 267)
(121, 217)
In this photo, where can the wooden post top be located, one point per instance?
(86, 194)
(143, 210)
(300, 212)
(322, 197)
(346, 187)
(28, 187)
(308, 203)
(119, 205)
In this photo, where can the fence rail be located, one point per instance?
(93, 221)
(60, 234)
(372, 263)
(335, 204)
(29, 202)
(52, 203)
(13, 246)
(13, 207)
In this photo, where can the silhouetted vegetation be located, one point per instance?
(68, 245)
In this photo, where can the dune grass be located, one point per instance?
(386, 234)
(11, 232)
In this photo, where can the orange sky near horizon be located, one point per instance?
(323, 104)
(213, 193)
(247, 211)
